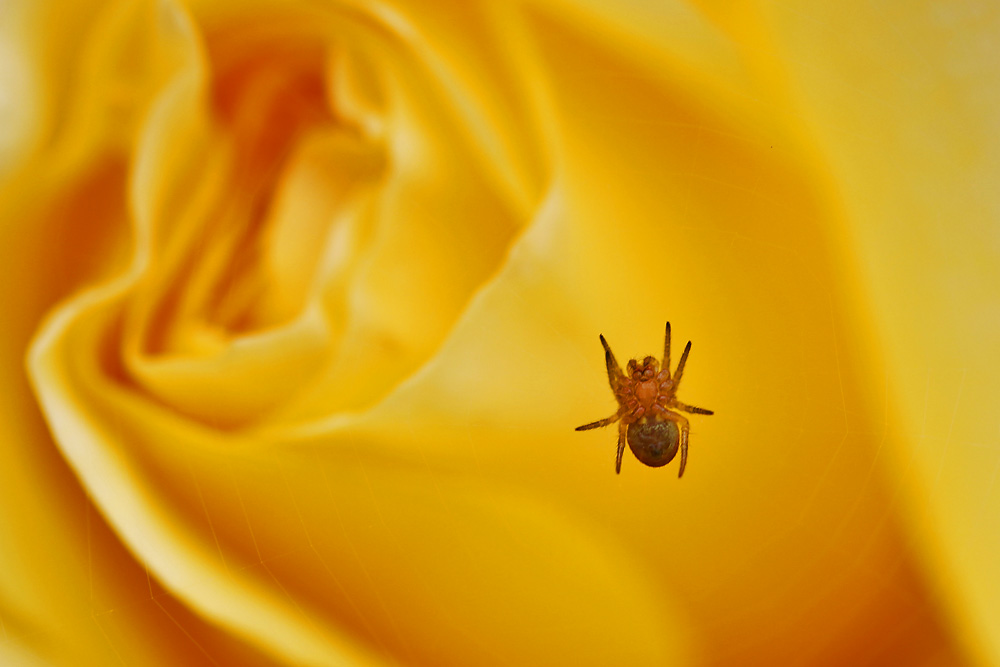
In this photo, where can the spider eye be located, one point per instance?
(654, 442)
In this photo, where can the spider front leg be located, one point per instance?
(681, 422)
(615, 373)
(680, 365)
(666, 351)
(622, 430)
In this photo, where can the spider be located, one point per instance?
(645, 397)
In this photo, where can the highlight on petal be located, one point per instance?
(20, 91)
(18, 656)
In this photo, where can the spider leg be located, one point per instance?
(684, 449)
(666, 350)
(615, 374)
(598, 424)
(692, 409)
(680, 365)
(622, 430)
(682, 422)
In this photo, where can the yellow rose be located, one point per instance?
(303, 302)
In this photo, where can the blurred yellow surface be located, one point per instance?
(303, 303)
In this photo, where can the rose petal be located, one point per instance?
(148, 470)
(902, 100)
(466, 558)
(721, 231)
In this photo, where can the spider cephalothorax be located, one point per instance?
(646, 397)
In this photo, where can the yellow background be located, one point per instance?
(379, 465)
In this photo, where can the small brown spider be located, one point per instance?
(645, 396)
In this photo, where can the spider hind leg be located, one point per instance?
(622, 430)
(685, 427)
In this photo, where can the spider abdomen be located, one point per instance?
(654, 442)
